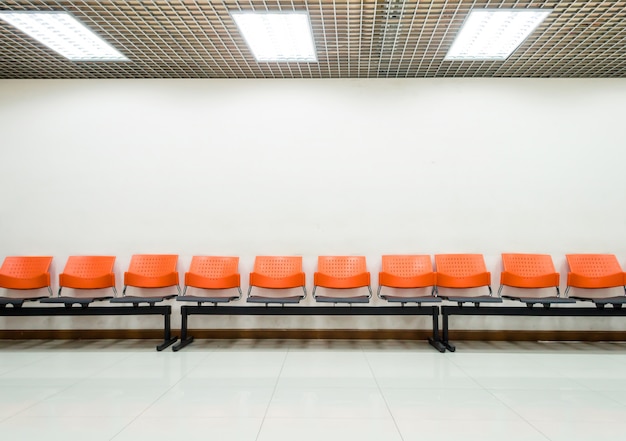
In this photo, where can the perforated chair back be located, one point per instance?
(594, 271)
(277, 272)
(88, 272)
(462, 271)
(341, 272)
(150, 271)
(341, 267)
(212, 273)
(25, 272)
(532, 271)
(278, 269)
(406, 271)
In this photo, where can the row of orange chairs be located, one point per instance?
(279, 276)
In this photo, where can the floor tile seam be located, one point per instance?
(48, 397)
(465, 372)
(148, 407)
(269, 403)
(16, 368)
(606, 396)
(602, 393)
(104, 369)
(380, 391)
(525, 420)
(330, 418)
(326, 388)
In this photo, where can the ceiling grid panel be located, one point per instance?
(353, 39)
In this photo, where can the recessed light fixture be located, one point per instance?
(493, 34)
(62, 33)
(277, 36)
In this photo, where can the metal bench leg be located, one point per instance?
(184, 339)
(168, 340)
(435, 340)
(450, 347)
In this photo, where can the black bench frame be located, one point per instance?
(85, 310)
(187, 310)
(525, 311)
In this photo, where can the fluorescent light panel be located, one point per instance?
(494, 34)
(62, 33)
(277, 36)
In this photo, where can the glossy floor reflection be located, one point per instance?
(269, 390)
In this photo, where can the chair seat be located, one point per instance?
(357, 299)
(17, 301)
(618, 300)
(138, 299)
(418, 299)
(66, 300)
(202, 299)
(479, 299)
(261, 299)
(541, 300)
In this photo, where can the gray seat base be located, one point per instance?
(541, 300)
(135, 300)
(400, 299)
(359, 299)
(475, 300)
(74, 300)
(617, 301)
(17, 302)
(277, 300)
(206, 299)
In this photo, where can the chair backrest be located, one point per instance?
(214, 267)
(277, 272)
(460, 265)
(278, 267)
(593, 265)
(152, 271)
(25, 272)
(153, 265)
(594, 271)
(213, 272)
(461, 270)
(341, 272)
(341, 266)
(532, 271)
(528, 265)
(407, 271)
(88, 272)
(407, 265)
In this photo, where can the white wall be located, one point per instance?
(312, 167)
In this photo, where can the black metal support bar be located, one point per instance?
(535, 311)
(188, 310)
(164, 310)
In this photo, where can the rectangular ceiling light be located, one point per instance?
(493, 34)
(62, 33)
(277, 36)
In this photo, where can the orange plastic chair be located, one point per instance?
(342, 272)
(24, 273)
(463, 271)
(150, 271)
(212, 273)
(595, 271)
(86, 272)
(407, 272)
(277, 272)
(531, 271)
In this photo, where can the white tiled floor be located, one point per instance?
(311, 390)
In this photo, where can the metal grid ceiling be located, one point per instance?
(354, 39)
